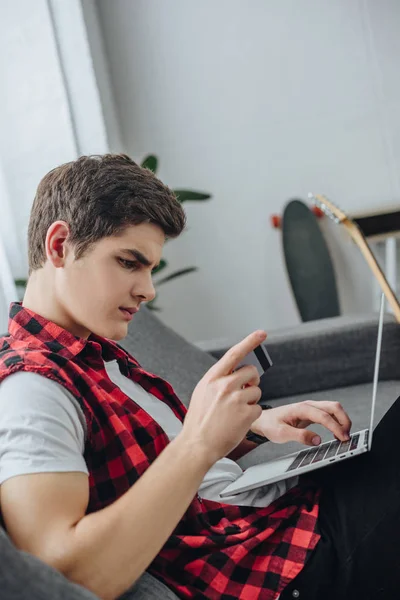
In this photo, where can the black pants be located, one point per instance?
(358, 556)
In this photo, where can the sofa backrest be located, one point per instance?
(328, 354)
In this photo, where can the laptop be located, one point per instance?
(314, 457)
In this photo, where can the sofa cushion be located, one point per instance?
(148, 588)
(23, 577)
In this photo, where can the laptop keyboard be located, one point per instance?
(325, 451)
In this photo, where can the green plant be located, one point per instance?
(151, 162)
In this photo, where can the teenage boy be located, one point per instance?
(103, 472)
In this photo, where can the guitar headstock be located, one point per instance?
(335, 213)
(329, 208)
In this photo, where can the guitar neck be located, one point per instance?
(362, 243)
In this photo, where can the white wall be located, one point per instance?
(93, 35)
(34, 119)
(50, 109)
(257, 103)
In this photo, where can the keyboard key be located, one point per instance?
(298, 459)
(344, 447)
(310, 455)
(322, 450)
(325, 451)
(354, 441)
(333, 449)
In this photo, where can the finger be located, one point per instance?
(303, 436)
(318, 415)
(250, 395)
(255, 412)
(336, 410)
(247, 375)
(233, 357)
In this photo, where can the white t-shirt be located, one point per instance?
(43, 429)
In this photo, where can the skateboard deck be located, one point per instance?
(308, 263)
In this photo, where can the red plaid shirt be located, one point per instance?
(217, 550)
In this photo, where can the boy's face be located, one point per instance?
(110, 277)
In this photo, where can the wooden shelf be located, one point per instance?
(379, 225)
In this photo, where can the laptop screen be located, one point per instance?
(376, 370)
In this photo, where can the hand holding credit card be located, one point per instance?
(258, 358)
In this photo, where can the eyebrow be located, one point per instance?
(139, 257)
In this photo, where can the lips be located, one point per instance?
(128, 312)
(131, 311)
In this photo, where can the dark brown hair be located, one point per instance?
(99, 196)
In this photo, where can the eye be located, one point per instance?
(128, 264)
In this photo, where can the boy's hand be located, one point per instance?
(287, 423)
(224, 403)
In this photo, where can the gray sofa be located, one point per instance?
(328, 359)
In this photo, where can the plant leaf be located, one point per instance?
(150, 162)
(176, 274)
(186, 195)
(20, 282)
(161, 266)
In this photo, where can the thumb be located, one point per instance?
(305, 436)
(310, 438)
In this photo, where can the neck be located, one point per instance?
(40, 297)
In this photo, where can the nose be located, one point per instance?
(144, 288)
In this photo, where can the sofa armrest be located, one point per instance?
(328, 354)
(23, 575)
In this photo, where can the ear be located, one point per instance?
(56, 243)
